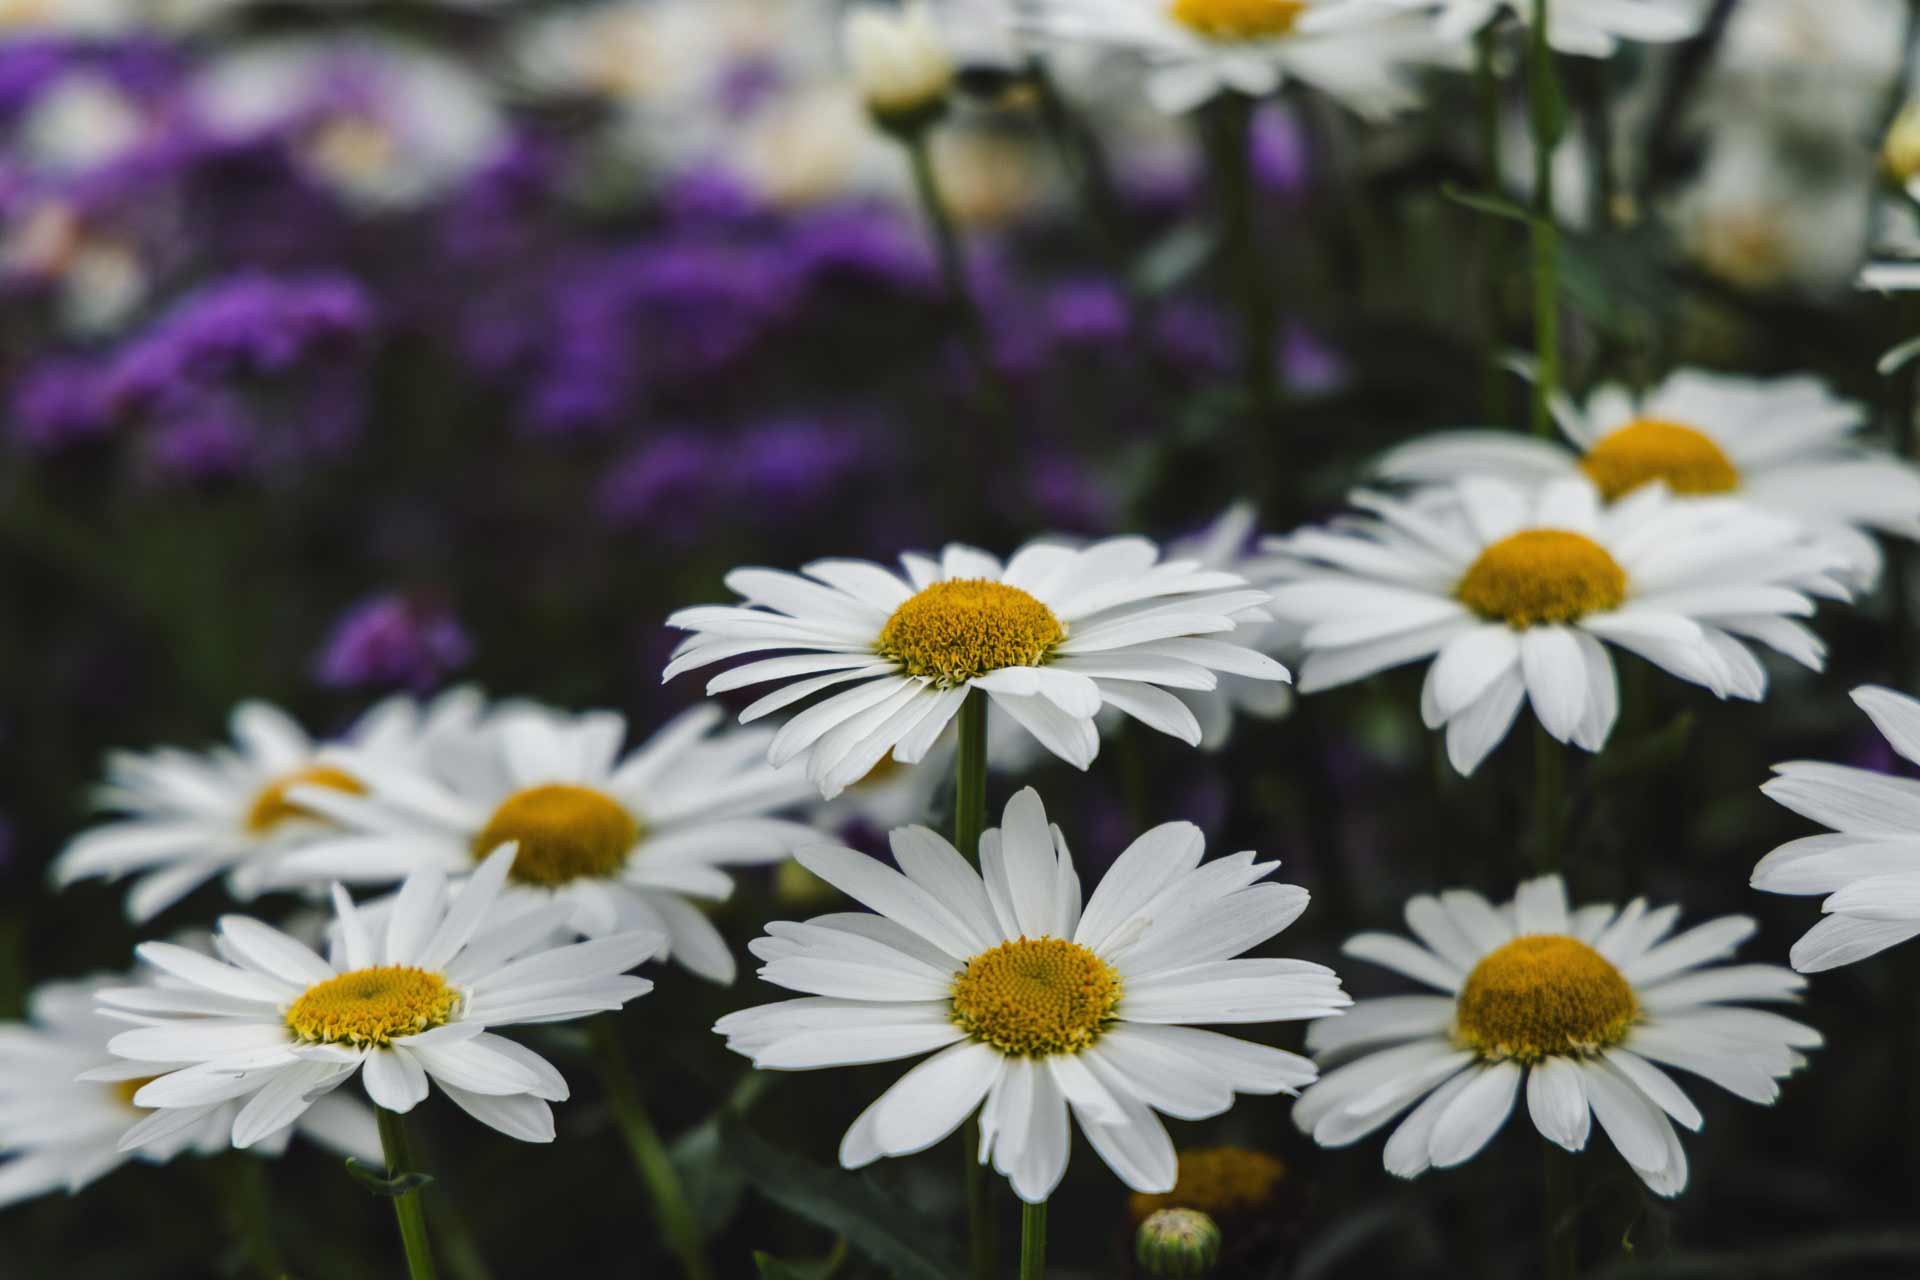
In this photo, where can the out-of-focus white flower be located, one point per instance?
(1590, 28)
(898, 60)
(97, 279)
(83, 120)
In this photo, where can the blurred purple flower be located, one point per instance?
(861, 247)
(59, 404)
(1195, 337)
(793, 466)
(1087, 313)
(393, 641)
(1309, 364)
(665, 486)
(1282, 152)
(1069, 495)
(707, 196)
(206, 443)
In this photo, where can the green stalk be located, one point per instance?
(406, 1206)
(1033, 1241)
(1549, 760)
(1547, 119)
(1558, 1215)
(670, 1207)
(969, 819)
(953, 262)
(244, 1189)
(1232, 137)
(1488, 84)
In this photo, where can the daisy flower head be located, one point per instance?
(1585, 28)
(1197, 49)
(1050, 637)
(621, 841)
(1868, 862)
(1032, 1006)
(185, 817)
(65, 1101)
(1516, 595)
(1782, 445)
(1583, 1008)
(273, 1023)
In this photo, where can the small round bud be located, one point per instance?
(899, 63)
(1900, 152)
(1177, 1242)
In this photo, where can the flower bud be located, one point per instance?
(1177, 1242)
(899, 63)
(1900, 152)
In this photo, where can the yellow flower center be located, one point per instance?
(1239, 19)
(1222, 1182)
(125, 1089)
(959, 630)
(372, 1006)
(1033, 997)
(565, 833)
(1543, 995)
(1650, 449)
(271, 807)
(1542, 575)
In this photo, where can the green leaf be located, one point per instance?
(772, 1268)
(712, 1183)
(1487, 202)
(375, 1179)
(889, 1233)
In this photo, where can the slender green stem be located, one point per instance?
(1549, 785)
(1494, 235)
(1033, 1241)
(1546, 115)
(670, 1207)
(406, 1206)
(969, 818)
(243, 1187)
(1559, 1234)
(1232, 135)
(1085, 165)
(952, 257)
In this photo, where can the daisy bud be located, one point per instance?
(1900, 152)
(899, 64)
(1177, 1242)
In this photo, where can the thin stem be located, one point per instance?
(650, 1157)
(1549, 762)
(244, 1188)
(952, 257)
(1231, 118)
(1488, 84)
(969, 818)
(1558, 1235)
(1033, 1241)
(1546, 117)
(406, 1206)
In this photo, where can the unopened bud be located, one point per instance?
(899, 64)
(1177, 1242)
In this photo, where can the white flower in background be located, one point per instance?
(1517, 593)
(1576, 1006)
(1869, 863)
(619, 842)
(81, 121)
(1035, 1006)
(97, 278)
(1196, 49)
(1822, 67)
(898, 60)
(1224, 545)
(274, 1024)
(1589, 28)
(383, 124)
(1783, 445)
(65, 1102)
(186, 817)
(1050, 637)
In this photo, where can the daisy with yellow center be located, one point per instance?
(187, 817)
(1517, 595)
(269, 1026)
(1050, 637)
(1584, 1009)
(633, 841)
(1033, 1007)
(1786, 446)
(1196, 49)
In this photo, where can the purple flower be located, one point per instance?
(665, 486)
(1195, 337)
(1282, 152)
(1087, 313)
(1309, 364)
(208, 442)
(59, 404)
(861, 248)
(393, 641)
(1070, 495)
(785, 467)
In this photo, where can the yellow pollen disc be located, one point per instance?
(1542, 575)
(565, 833)
(372, 1006)
(271, 807)
(1033, 997)
(961, 629)
(125, 1089)
(1543, 995)
(1222, 1182)
(1239, 19)
(1649, 449)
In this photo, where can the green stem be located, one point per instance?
(245, 1191)
(1558, 1234)
(1232, 136)
(953, 261)
(1549, 763)
(1494, 236)
(1546, 117)
(406, 1206)
(670, 1207)
(969, 818)
(1033, 1241)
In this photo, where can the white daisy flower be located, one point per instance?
(65, 1102)
(1223, 545)
(1783, 445)
(1587, 28)
(1036, 1006)
(620, 842)
(273, 1023)
(190, 816)
(1196, 49)
(1869, 862)
(1050, 637)
(1516, 594)
(1579, 1006)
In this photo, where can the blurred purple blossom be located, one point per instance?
(393, 641)
(59, 404)
(664, 487)
(1087, 313)
(1282, 153)
(790, 467)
